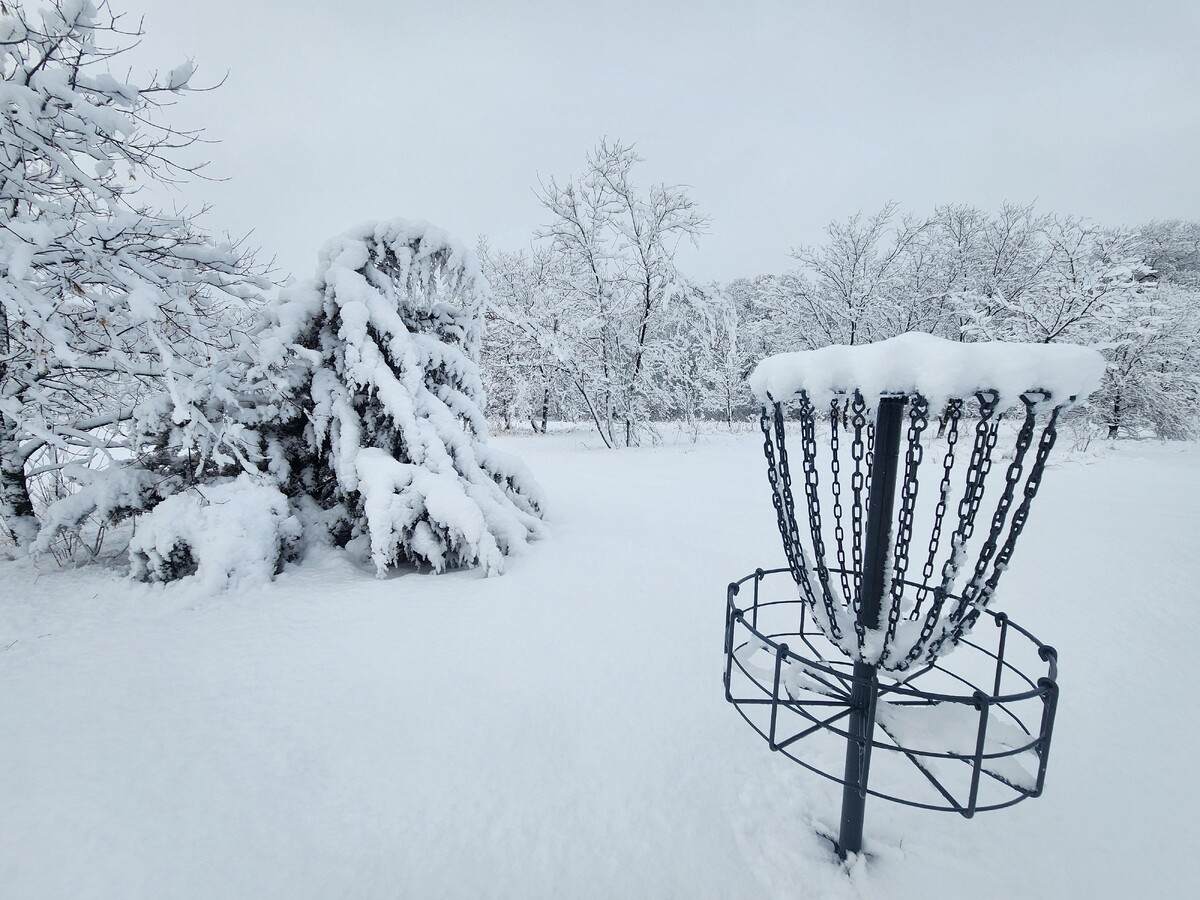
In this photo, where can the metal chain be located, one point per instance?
(968, 508)
(839, 532)
(811, 482)
(1011, 478)
(858, 452)
(918, 419)
(953, 412)
(789, 501)
(1032, 483)
(780, 476)
(787, 524)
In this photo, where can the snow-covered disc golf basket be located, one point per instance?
(919, 461)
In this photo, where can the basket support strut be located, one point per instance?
(889, 423)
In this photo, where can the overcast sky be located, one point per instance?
(780, 116)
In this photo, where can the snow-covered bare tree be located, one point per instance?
(615, 249)
(1090, 275)
(526, 366)
(1172, 249)
(380, 351)
(962, 267)
(576, 306)
(1152, 344)
(855, 278)
(719, 356)
(105, 301)
(1019, 275)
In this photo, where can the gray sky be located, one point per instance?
(780, 116)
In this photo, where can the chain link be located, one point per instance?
(786, 523)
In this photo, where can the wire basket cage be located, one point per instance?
(967, 739)
(898, 518)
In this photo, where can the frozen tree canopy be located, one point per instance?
(936, 368)
(108, 306)
(380, 351)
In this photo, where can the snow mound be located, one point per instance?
(934, 367)
(235, 534)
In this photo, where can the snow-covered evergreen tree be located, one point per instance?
(380, 351)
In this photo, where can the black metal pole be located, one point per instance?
(889, 423)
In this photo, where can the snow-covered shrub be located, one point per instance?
(92, 500)
(380, 353)
(197, 433)
(237, 533)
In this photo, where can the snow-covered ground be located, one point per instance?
(561, 731)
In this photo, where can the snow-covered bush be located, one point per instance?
(380, 353)
(234, 534)
(91, 500)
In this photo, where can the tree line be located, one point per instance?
(595, 322)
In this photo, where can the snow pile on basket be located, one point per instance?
(235, 534)
(380, 351)
(950, 533)
(933, 367)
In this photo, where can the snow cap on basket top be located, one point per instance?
(934, 367)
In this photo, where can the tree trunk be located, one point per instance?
(16, 507)
(545, 408)
(1115, 425)
(607, 438)
(639, 353)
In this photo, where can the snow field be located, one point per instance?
(561, 730)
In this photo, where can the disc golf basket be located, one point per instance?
(919, 461)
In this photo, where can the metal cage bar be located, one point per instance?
(1032, 710)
